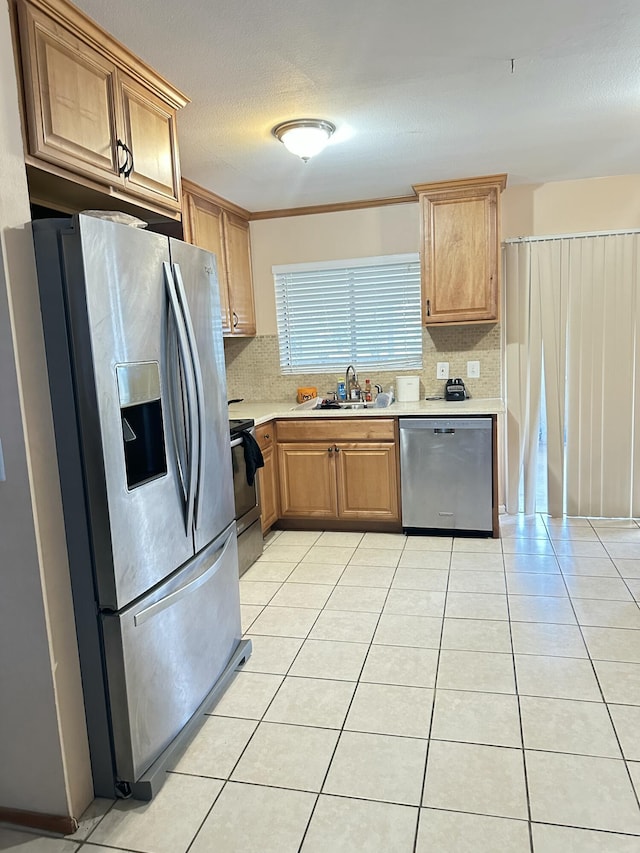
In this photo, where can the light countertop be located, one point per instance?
(261, 412)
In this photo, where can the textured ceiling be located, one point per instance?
(420, 90)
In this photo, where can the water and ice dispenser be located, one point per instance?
(142, 424)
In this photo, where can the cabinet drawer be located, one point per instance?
(342, 429)
(264, 435)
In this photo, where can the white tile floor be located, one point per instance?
(415, 694)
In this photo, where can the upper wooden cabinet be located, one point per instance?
(223, 228)
(94, 111)
(460, 249)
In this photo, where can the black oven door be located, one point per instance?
(245, 496)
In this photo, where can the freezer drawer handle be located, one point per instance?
(441, 431)
(173, 597)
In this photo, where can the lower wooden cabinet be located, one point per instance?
(343, 470)
(267, 476)
(366, 479)
(307, 480)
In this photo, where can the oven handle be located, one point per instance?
(236, 442)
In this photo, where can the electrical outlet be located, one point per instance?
(442, 370)
(473, 370)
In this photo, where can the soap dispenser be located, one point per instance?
(355, 392)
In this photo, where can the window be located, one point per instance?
(364, 312)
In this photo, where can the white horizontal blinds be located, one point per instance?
(603, 435)
(311, 310)
(365, 312)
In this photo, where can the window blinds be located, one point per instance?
(573, 316)
(364, 312)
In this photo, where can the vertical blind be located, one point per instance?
(573, 315)
(603, 427)
(364, 312)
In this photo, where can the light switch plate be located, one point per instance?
(442, 370)
(473, 370)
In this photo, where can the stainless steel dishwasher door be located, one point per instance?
(446, 473)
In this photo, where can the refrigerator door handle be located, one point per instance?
(199, 383)
(144, 615)
(175, 394)
(193, 461)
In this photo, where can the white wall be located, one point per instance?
(571, 207)
(44, 761)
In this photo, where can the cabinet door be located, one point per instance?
(268, 492)
(460, 232)
(367, 480)
(204, 227)
(149, 130)
(267, 476)
(243, 316)
(70, 99)
(307, 477)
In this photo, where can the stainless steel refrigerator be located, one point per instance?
(136, 369)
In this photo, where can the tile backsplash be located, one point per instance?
(253, 365)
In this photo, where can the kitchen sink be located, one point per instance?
(316, 403)
(341, 406)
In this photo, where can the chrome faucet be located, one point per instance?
(346, 379)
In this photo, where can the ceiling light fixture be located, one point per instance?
(304, 137)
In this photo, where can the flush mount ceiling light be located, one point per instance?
(304, 137)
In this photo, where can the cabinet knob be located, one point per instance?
(336, 448)
(235, 320)
(266, 435)
(330, 449)
(428, 307)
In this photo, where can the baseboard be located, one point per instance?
(52, 823)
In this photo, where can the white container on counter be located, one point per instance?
(407, 389)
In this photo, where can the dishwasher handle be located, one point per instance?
(445, 425)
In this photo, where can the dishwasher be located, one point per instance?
(446, 473)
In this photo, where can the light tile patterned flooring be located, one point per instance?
(414, 694)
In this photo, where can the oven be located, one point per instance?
(246, 497)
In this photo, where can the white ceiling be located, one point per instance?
(420, 90)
